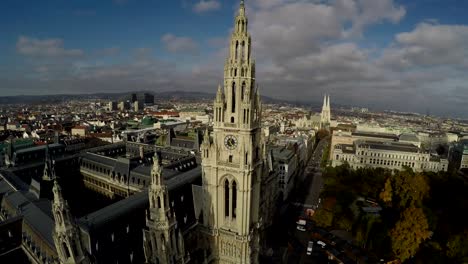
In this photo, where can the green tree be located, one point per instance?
(409, 232)
(410, 188)
(457, 247)
(323, 218)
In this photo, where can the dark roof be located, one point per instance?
(100, 159)
(139, 200)
(36, 148)
(14, 180)
(38, 220)
(113, 211)
(374, 134)
(391, 146)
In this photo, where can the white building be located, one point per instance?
(287, 164)
(391, 155)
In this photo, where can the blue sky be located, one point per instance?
(388, 50)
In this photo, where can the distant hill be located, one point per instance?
(167, 95)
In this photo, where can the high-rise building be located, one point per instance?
(148, 99)
(232, 159)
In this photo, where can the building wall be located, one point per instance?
(361, 158)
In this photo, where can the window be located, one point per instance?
(226, 198)
(67, 251)
(234, 199)
(233, 95)
(243, 91)
(232, 119)
(230, 158)
(237, 48)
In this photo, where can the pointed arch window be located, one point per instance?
(66, 250)
(234, 199)
(233, 95)
(242, 91)
(237, 48)
(226, 198)
(242, 50)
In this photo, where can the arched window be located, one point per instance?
(230, 158)
(226, 198)
(66, 250)
(242, 50)
(233, 94)
(232, 119)
(237, 48)
(235, 72)
(159, 202)
(244, 115)
(234, 199)
(243, 91)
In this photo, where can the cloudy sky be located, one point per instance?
(382, 54)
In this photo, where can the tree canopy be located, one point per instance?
(409, 232)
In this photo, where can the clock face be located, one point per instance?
(230, 142)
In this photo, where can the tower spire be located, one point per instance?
(156, 171)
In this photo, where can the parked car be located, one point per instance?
(301, 225)
(321, 243)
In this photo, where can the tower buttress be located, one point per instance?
(163, 241)
(66, 234)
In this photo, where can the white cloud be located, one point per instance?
(206, 6)
(176, 44)
(429, 45)
(52, 47)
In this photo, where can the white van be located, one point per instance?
(310, 247)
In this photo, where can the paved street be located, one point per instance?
(305, 195)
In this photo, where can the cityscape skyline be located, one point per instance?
(388, 50)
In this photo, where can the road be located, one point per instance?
(312, 198)
(305, 195)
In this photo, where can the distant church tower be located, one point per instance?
(66, 234)
(326, 115)
(163, 242)
(232, 159)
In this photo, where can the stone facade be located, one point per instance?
(232, 158)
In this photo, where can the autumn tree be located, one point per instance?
(410, 188)
(323, 217)
(409, 232)
(387, 192)
(457, 247)
(321, 134)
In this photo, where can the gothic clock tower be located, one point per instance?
(232, 157)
